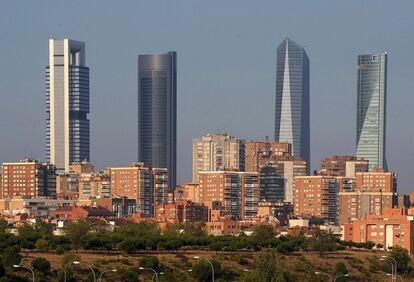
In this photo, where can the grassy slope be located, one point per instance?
(356, 261)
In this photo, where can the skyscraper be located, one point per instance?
(67, 92)
(157, 112)
(292, 98)
(371, 109)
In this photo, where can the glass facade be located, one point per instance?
(157, 112)
(292, 98)
(67, 101)
(371, 109)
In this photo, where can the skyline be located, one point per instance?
(236, 80)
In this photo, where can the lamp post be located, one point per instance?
(112, 270)
(26, 267)
(155, 273)
(212, 267)
(77, 263)
(394, 268)
(342, 275)
(323, 273)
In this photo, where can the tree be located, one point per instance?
(202, 270)
(11, 256)
(266, 269)
(129, 275)
(41, 264)
(263, 234)
(77, 232)
(41, 245)
(3, 225)
(403, 259)
(340, 269)
(150, 262)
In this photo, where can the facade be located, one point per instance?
(317, 196)
(157, 112)
(134, 182)
(181, 212)
(373, 192)
(346, 166)
(217, 152)
(38, 207)
(67, 93)
(119, 206)
(28, 178)
(395, 227)
(160, 185)
(187, 191)
(148, 186)
(292, 98)
(238, 192)
(371, 109)
(260, 153)
(272, 185)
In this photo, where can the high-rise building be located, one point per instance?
(371, 109)
(260, 153)
(238, 192)
(346, 166)
(217, 152)
(67, 94)
(157, 112)
(292, 98)
(28, 178)
(317, 196)
(372, 192)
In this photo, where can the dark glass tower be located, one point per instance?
(67, 95)
(157, 112)
(292, 98)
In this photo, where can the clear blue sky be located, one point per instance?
(226, 70)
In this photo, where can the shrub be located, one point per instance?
(41, 264)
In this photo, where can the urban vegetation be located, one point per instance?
(266, 257)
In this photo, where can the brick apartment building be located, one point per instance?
(373, 192)
(27, 178)
(394, 227)
(237, 191)
(138, 181)
(346, 166)
(316, 196)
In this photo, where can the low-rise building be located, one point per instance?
(394, 227)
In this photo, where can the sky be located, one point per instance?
(226, 71)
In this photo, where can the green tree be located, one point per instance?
(129, 275)
(263, 235)
(266, 269)
(150, 262)
(3, 225)
(202, 270)
(403, 259)
(41, 245)
(77, 232)
(11, 256)
(41, 264)
(340, 269)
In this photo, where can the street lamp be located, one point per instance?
(112, 270)
(155, 273)
(26, 267)
(342, 275)
(393, 268)
(212, 267)
(79, 262)
(323, 273)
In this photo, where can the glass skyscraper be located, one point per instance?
(67, 95)
(371, 109)
(292, 98)
(157, 112)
